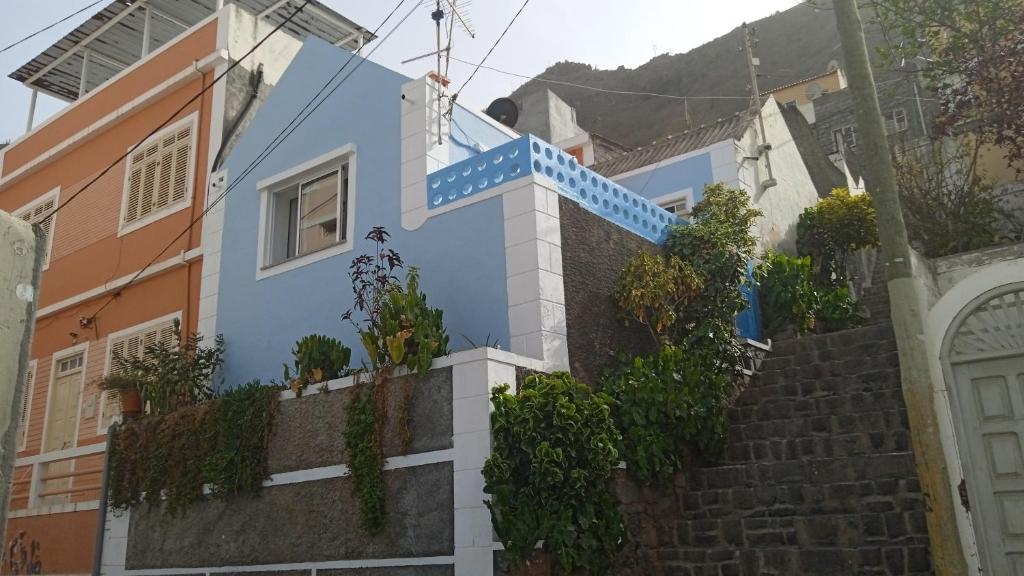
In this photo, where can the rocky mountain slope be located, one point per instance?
(792, 45)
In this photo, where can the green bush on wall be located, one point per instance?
(791, 297)
(554, 449)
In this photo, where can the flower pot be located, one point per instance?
(538, 564)
(131, 402)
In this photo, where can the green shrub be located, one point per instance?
(554, 449)
(366, 460)
(169, 375)
(317, 358)
(166, 460)
(652, 290)
(787, 293)
(665, 403)
(717, 244)
(412, 332)
(791, 296)
(833, 229)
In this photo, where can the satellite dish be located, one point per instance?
(504, 110)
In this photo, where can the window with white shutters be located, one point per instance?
(26, 404)
(131, 345)
(39, 212)
(159, 174)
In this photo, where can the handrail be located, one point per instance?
(56, 455)
(71, 474)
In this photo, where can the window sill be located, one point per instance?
(143, 222)
(300, 261)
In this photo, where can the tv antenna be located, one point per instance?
(454, 11)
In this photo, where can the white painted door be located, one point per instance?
(991, 398)
(62, 425)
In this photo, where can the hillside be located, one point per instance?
(792, 45)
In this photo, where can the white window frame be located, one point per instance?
(64, 354)
(674, 198)
(100, 430)
(305, 171)
(33, 367)
(126, 228)
(55, 196)
(891, 126)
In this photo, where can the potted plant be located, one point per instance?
(127, 390)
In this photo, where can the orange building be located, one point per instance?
(801, 93)
(131, 69)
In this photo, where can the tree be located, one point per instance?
(949, 207)
(974, 55)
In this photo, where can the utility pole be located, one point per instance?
(907, 301)
(755, 101)
(21, 260)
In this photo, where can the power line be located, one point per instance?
(45, 28)
(595, 88)
(493, 46)
(289, 128)
(174, 114)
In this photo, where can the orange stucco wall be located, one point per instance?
(108, 98)
(87, 252)
(798, 92)
(59, 543)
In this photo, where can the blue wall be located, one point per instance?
(694, 172)
(471, 135)
(460, 254)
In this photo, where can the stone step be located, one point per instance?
(829, 396)
(878, 421)
(825, 446)
(883, 496)
(842, 340)
(880, 558)
(807, 471)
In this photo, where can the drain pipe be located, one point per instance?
(97, 553)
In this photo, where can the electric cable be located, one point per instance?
(493, 46)
(45, 28)
(174, 114)
(289, 128)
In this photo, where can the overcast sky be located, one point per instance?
(603, 33)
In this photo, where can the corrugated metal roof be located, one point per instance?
(120, 45)
(729, 128)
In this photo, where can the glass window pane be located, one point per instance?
(318, 214)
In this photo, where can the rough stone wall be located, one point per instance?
(817, 477)
(594, 252)
(318, 519)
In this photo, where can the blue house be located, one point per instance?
(480, 214)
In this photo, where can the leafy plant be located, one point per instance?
(169, 376)
(948, 206)
(413, 333)
(837, 310)
(667, 402)
(791, 296)
(717, 244)
(653, 289)
(787, 291)
(317, 358)
(166, 460)
(362, 441)
(833, 229)
(399, 327)
(972, 52)
(554, 449)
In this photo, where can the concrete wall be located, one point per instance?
(460, 254)
(547, 117)
(306, 518)
(781, 204)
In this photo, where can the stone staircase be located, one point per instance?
(818, 475)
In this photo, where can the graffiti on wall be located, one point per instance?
(22, 556)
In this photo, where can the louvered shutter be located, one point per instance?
(134, 345)
(38, 215)
(26, 401)
(158, 174)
